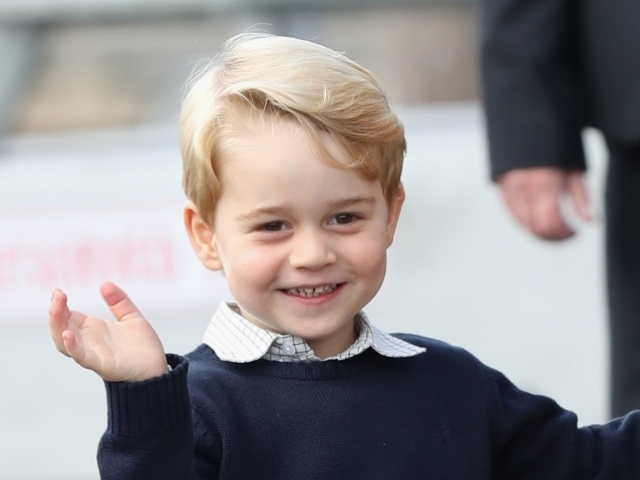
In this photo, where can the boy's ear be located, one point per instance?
(394, 214)
(202, 237)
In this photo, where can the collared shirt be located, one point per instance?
(236, 339)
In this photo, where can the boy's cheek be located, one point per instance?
(369, 257)
(257, 267)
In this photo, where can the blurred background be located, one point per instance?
(90, 176)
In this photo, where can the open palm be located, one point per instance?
(127, 350)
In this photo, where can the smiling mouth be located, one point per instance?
(312, 291)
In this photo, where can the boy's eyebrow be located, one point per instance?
(281, 209)
(351, 201)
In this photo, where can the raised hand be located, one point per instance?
(127, 350)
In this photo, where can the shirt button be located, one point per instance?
(288, 349)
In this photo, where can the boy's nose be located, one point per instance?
(311, 250)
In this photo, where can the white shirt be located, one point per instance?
(235, 339)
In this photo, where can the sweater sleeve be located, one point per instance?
(150, 430)
(532, 85)
(533, 438)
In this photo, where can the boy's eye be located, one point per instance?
(344, 218)
(273, 226)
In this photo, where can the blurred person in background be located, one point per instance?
(551, 68)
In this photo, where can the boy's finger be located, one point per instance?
(119, 303)
(70, 342)
(58, 303)
(75, 349)
(59, 315)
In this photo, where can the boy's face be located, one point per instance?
(302, 244)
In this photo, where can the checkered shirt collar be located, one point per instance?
(235, 339)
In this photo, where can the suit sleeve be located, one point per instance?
(532, 88)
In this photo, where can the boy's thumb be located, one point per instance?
(119, 303)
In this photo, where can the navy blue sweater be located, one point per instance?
(439, 415)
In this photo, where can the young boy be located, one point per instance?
(292, 162)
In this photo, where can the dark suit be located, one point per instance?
(550, 68)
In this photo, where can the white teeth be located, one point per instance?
(311, 292)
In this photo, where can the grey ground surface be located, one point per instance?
(459, 270)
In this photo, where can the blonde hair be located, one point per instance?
(316, 87)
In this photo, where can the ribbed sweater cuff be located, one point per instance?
(151, 406)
